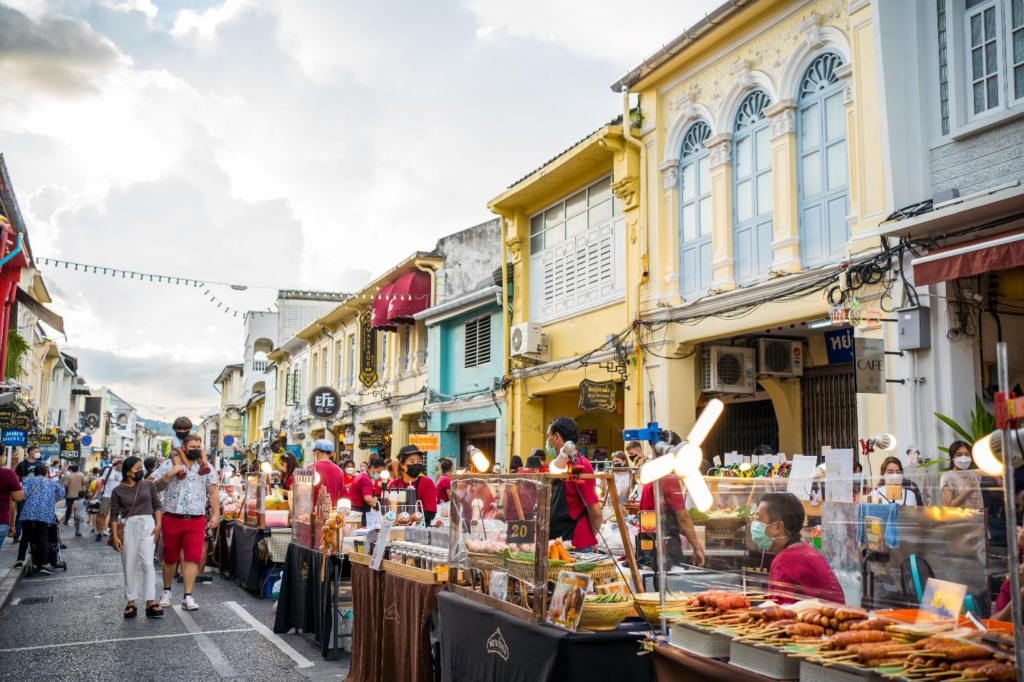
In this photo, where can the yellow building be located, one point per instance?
(751, 169)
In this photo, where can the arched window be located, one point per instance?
(752, 188)
(824, 171)
(695, 211)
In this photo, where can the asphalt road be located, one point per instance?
(79, 633)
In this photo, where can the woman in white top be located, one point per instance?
(960, 485)
(892, 490)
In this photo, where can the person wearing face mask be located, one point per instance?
(182, 427)
(798, 570)
(414, 475)
(860, 488)
(136, 504)
(348, 470)
(362, 491)
(893, 489)
(444, 482)
(288, 466)
(575, 505)
(961, 485)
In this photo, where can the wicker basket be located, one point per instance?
(486, 562)
(520, 569)
(604, 616)
(651, 608)
(603, 571)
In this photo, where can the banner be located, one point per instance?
(427, 442)
(367, 350)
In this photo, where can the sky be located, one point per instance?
(302, 144)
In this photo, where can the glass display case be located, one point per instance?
(255, 507)
(232, 494)
(301, 497)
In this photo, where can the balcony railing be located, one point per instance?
(260, 366)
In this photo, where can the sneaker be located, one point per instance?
(106, 533)
(204, 579)
(189, 604)
(45, 571)
(99, 536)
(179, 580)
(165, 599)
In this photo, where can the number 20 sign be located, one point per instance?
(942, 600)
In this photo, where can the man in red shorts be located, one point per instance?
(184, 521)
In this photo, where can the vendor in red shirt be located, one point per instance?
(363, 493)
(348, 475)
(575, 507)
(444, 482)
(288, 467)
(330, 473)
(798, 570)
(414, 475)
(675, 519)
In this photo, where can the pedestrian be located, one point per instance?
(149, 467)
(54, 471)
(89, 504)
(184, 520)
(182, 427)
(38, 514)
(74, 493)
(109, 479)
(331, 475)
(24, 469)
(10, 491)
(135, 504)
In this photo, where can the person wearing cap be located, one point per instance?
(331, 474)
(414, 475)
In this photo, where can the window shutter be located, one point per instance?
(478, 342)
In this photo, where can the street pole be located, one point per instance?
(1011, 514)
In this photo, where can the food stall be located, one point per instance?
(249, 530)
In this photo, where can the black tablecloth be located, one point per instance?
(481, 643)
(243, 556)
(220, 553)
(305, 602)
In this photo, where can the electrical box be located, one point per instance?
(915, 328)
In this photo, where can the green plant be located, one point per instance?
(17, 347)
(983, 423)
(636, 118)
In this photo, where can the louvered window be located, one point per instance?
(576, 259)
(478, 342)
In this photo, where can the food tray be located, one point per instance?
(816, 672)
(700, 641)
(764, 660)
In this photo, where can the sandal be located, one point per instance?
(154, 611)
(131, 611)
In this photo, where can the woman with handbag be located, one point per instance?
(135, 535)
(37, 515)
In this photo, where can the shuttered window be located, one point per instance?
(478, 342)
(576, 253)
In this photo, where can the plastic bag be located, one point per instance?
(275, 591)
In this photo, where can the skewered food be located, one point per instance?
(721, 601)
(953, 650)
(871, 624)
(804, 630)
(779, 624)
(844, 639)
(879, 649)
(773, 613)
(849, 614)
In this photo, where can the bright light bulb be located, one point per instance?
(344, 504)
(266, 468)
(985, 456)
(480, 461)
(745, 466)
(385, 475)
(688, 459)
(698, 489)
(712, 411)
(885, 441)
(316, 478)
(657, 468)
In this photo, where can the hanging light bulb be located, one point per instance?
(688, 459)
(884, 441)
(479, 459)
(985, 456)
(316, 478)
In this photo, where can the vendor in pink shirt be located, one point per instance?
(798, 570)
(575, 505)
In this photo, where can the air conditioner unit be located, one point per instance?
(780, 357)
(527, 341)
(728, 369)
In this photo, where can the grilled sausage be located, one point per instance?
(871, 624)
(804, 630)
(860, 637)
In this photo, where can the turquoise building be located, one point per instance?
(466, 401)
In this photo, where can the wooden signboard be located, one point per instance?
(369, 440)
(8, 413)
(598, 395)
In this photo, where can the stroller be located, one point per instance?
(50, 553)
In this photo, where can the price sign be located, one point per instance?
(521, 532)
(381, 544)
(942, 600)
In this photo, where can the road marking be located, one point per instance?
(71, 577)
(124, 639)
(269, 635)
(212, 651)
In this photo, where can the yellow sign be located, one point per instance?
(427, 442)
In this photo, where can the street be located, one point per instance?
(69, 627)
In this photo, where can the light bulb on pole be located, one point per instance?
(385, 475)
(266, 468)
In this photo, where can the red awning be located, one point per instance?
(379, 311)
(978, 256)
(409, 295)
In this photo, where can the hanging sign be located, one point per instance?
(324, 402)
(427, 442)
(69, 445)
(23, 421)
(8, 413)
(869, 365)
(369, 440)
(14, 437)
(37, 439)
(367, 350)
(598, 395)
(839, 346)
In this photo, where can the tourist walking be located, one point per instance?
(135, 505)
(74, 490)
(38, 514)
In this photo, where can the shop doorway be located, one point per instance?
(829, 408)
(742, 427)
(482, 436)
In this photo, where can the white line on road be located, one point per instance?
(68, 577)
(259, 627)
(124, 639)
(212, 651)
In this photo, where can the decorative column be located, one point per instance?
(669, 209)
(722, 276)
(785, 216)
(853, 148)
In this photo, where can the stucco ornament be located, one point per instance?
(669, 176)
(515, 245)
(626, 190)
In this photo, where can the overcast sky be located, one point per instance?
(288, 143)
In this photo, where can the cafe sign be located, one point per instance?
(367, 350)
(869, 365)
(324, 402)
(598, 395)
(369, 440)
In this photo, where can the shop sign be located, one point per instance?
(69, 445)
(14, 437)
(367, 350)
(839, 346)
(598, 395)
(296, 451)
(942, 600)
(869, 365)
(324, 402)
(521, 532)
(427, 442)
(7, 416)
(93, 410)
(371, 440)
(23, 421)
(38, 439)
(587, 437)
(50, 451)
